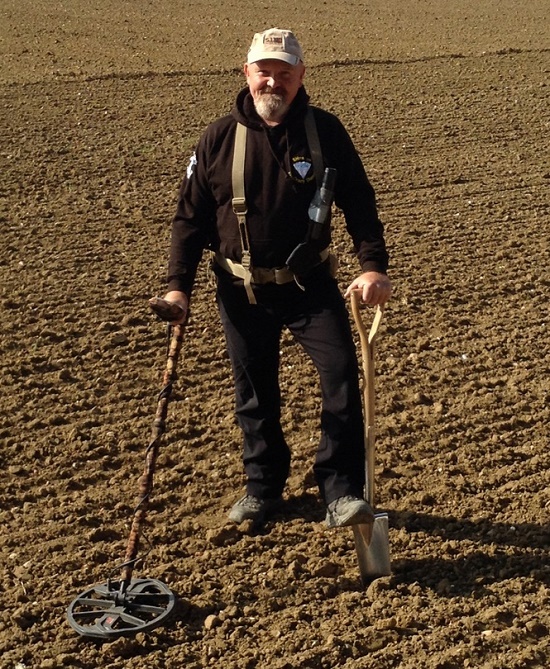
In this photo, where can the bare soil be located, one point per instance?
(101, 106)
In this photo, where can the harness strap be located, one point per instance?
(260, 275)
(314, 146)
(240, 207)
(245, 270)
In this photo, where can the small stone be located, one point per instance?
(377, 587)
(326, 569)
(294, 569)
(48, 663)
(229, 613)
(119, 339)
(212, 621)
(107, 326)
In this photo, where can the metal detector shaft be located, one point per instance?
(146, 479)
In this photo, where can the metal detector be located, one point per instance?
(127, 605)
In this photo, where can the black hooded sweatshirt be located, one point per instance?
(279, 185)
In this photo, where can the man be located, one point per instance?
(246, 197)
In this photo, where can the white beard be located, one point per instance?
(270, 106)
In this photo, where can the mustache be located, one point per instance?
(268, 90)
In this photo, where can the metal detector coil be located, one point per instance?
(104, 611)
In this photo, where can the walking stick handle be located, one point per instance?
(166, 311)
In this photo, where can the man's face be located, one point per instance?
(273, 85)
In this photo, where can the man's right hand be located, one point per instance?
(179, 298)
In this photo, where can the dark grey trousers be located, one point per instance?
(318, 319)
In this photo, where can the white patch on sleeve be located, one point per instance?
(191, 166)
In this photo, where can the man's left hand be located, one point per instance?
(375, 288)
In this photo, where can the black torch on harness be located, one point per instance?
(307, 255)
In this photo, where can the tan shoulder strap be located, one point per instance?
(240, 207)
(314, 146)
(239, 196)
(237, 172)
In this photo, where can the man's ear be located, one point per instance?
(245, 70)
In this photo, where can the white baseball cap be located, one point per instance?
(275, 43)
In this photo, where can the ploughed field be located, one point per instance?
(102, 104)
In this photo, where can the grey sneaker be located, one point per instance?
(251, 508)
(349, 510)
